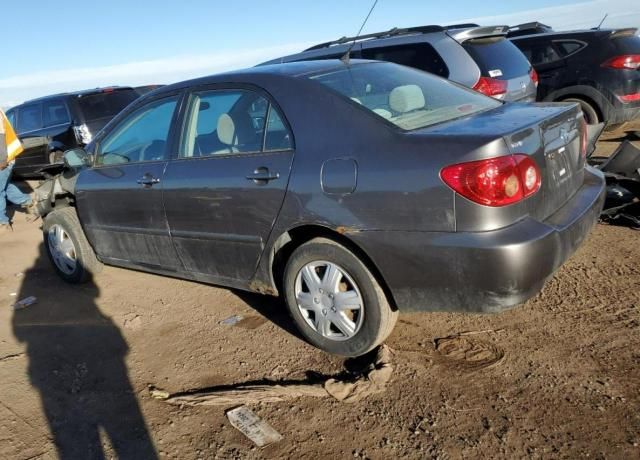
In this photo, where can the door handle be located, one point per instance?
(148, 181)
(262, 176)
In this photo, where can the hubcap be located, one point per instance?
(62, 249)
(329, 300)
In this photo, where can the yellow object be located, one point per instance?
(14, 146)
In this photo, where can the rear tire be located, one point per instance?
(343, 310)
(589, 111)
(67, 247)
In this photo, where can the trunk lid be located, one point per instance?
(549, 133)
(558, 156)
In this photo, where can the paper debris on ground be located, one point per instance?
(372, 382)
(348, 389)
(24, 303)
(253, 427)
(231, 320)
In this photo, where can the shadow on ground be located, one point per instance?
(76, 363)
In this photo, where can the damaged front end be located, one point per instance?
(57, 190)
(622, 173)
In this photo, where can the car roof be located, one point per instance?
(568, 33)
(286, 69)
(81, 93)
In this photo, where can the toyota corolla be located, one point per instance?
(354, 190)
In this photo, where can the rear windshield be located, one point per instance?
(108, 104)
(409, 98)
(498, 58)
(627, 44)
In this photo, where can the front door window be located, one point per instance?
(141, 137)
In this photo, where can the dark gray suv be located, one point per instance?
(477, 57)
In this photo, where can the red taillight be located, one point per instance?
(626, 98)
(491, 86)
(496, 181)
(583, 137)
(627, 61)
(534, 76)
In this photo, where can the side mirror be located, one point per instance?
(77, 158)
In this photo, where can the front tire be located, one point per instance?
(67, 247)
(335, 301)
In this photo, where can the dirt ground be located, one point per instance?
(558, 377)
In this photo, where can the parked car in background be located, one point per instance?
(407, 193)
(50, 125)
(597, 68)
(477, 57)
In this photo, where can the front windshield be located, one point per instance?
(408, 98)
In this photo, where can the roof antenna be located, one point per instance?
(599, 25)
(347, 56)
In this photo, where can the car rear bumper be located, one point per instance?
(618, 113)
(487, 271)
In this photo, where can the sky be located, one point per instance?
(64, 46)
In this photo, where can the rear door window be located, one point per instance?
(420, 56)
(55, 112)
(224, 122)
(30, 118)
(497, 58)
(106, 104)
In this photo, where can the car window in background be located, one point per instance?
(417, 55)
(106, 104)
(541, 54)
(142, 136)
(225, 122)
(30, 118)
(497, 58)
(11, 116)
(406, 97)
(567, 48)
(55, 112)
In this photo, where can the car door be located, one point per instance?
(223, 192)
(119, 199)
(29, 128)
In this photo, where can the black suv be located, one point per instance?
(477, 57)
(598, 68)
(50, 125)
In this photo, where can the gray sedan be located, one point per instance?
(353, 190)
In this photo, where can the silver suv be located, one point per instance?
(477, 57)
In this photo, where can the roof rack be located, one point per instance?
(466, 25)
(529, 28)
(388, 33)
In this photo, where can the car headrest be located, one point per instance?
(406, 98)
(226, 129)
